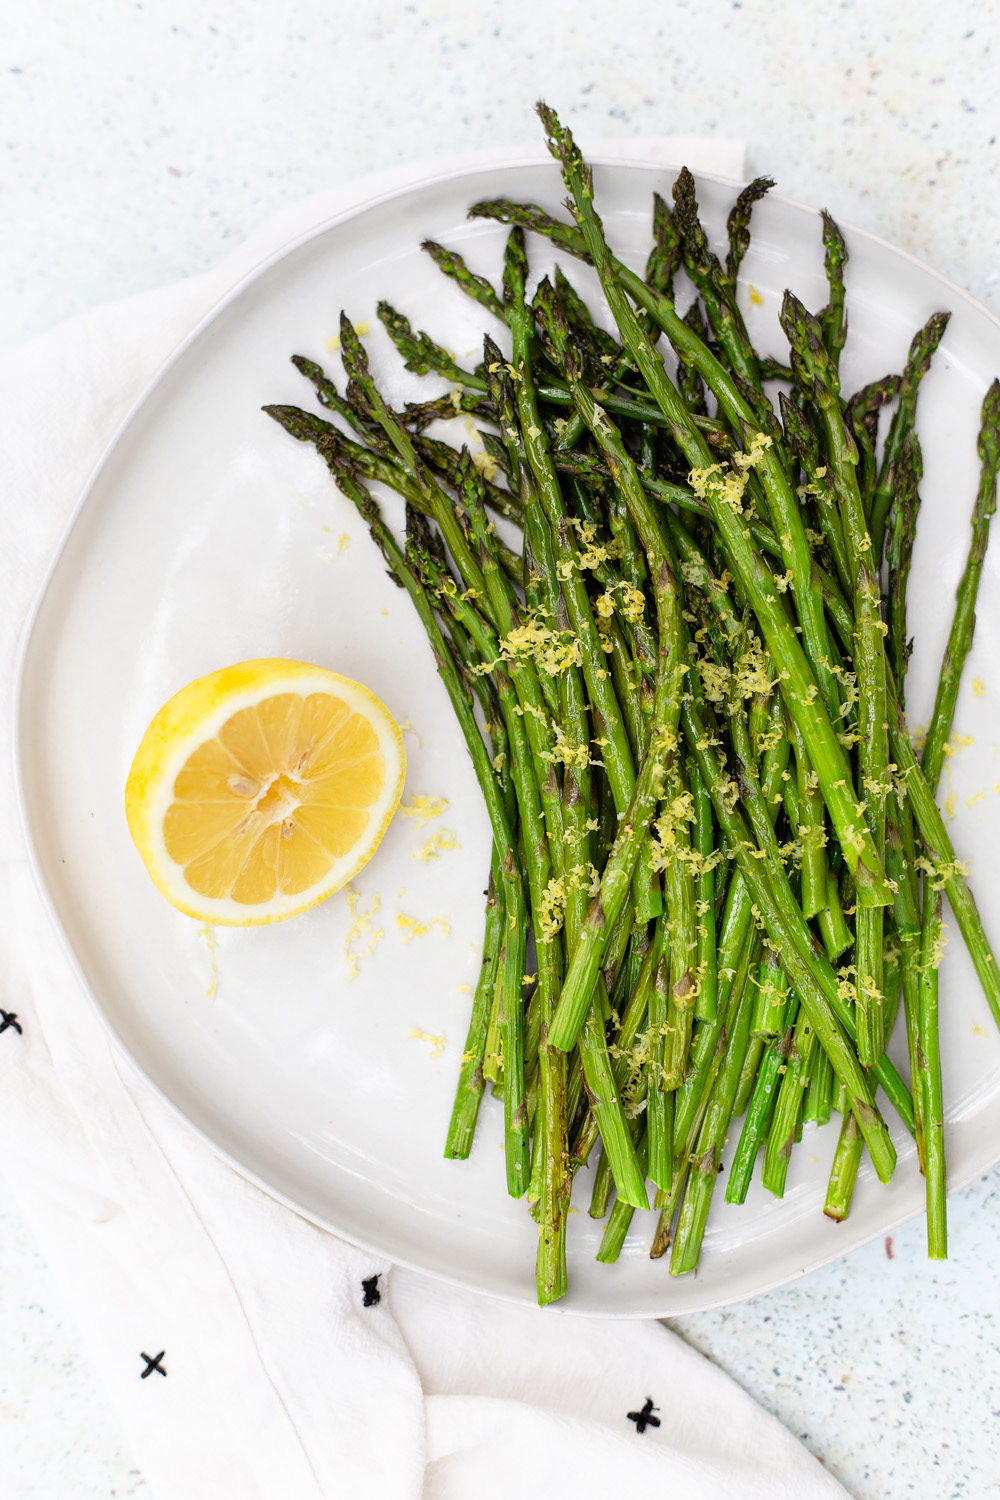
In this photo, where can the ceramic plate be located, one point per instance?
(209, 536)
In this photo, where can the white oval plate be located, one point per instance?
(209, 536)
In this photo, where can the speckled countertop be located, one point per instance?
(140, 141)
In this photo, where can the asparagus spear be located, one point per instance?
(778, 1028)
(922, 351)
(471, 1080)
(929, 1077)
(948, 868)
(899, 549)
(788, 1107)
(964, 623)
(704, 1171)
(816, 370)
(738, 224)
(833, 318)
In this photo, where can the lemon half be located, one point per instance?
(261, 789)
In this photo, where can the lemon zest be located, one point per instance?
(361, 926)
(412, 928)
(422, 807)
(438, 1042)
(436, 845)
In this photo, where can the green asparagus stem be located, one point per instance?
(820, 1090)
(837, 936)
(758, 1116)
(922, 351)
(901, 866)
(930, 1077)
(816, 372)
(715, 286)
(811, 831)
(788, 1107)
(964, 623)
(899, 552)
(844, 1171)
(476, 287)
(738, 225)
(471, 1081)
(861, 417)
(833, 318)
(511, 1022)
(770, 1003)
(581, 976)
(659, 1104)
(706, 1005)
(621, 1215)
(704, 1171)
(949, 871)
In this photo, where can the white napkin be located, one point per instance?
(277, 1381)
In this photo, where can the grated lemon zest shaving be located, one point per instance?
(211, 937)
(361, 926)
(438, 1042)
(423, 808)
(412, 928)
(436, 845)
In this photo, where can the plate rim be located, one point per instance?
(241, 282)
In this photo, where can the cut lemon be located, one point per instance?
(261, 789)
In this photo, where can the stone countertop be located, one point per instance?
(142, 141)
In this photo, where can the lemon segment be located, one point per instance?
(261, 789)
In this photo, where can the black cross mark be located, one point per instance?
(9, 1018)
(153, 1364)
(644, 1418)
(372, 1294)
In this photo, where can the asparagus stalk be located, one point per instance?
(922, 351)
(899, 550)
(844, 1170)
(964, 622)
(949, 870)
(706, 1005)
(929, 1078)
(758, 1116)
(705, 1166)
(816, 370)
(833, 318)
(471, 1080)
(738, 225)
(788, 1107)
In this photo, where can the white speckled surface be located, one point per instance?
(139, 141)
(58, 1437)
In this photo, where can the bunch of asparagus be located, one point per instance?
(670, 615)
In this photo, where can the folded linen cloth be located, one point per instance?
(295, 1366)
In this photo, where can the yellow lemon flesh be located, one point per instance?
(261, 789)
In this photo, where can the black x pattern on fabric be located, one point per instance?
(153, 1363)
(644, 1418)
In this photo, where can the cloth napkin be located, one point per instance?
(292, 1365)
